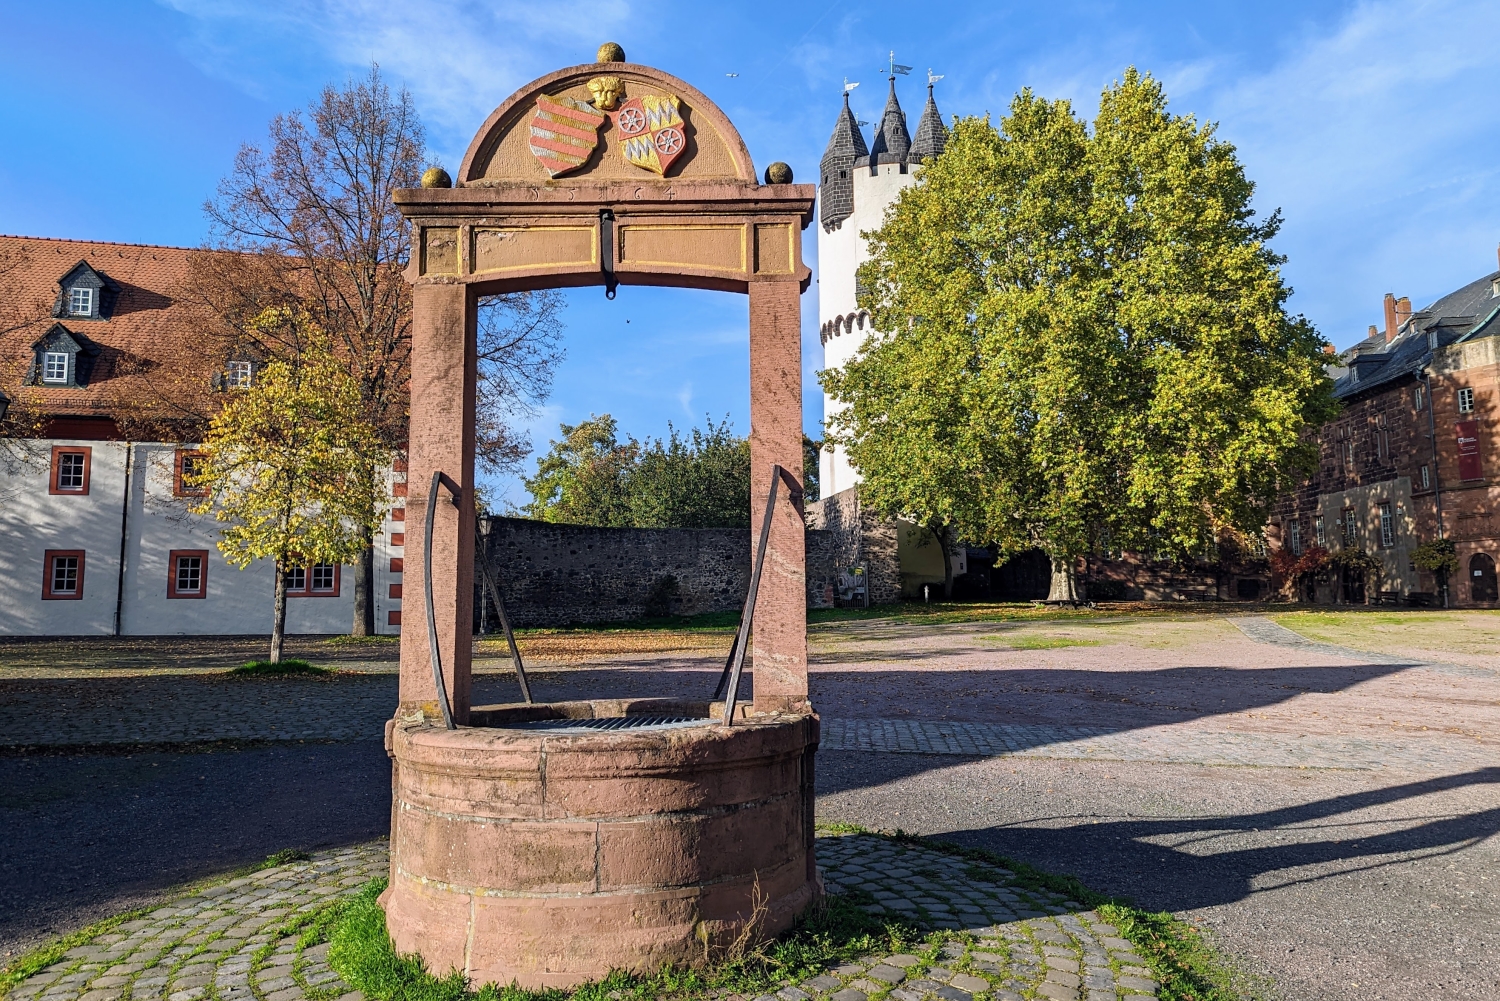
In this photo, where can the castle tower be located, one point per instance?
(858, 184)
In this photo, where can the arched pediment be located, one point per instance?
(501, 152)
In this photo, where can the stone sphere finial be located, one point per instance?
(779, 173)
(436, 177)
(610, 52)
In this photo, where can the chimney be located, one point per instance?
(1329, 349)
(1390, 317)
(1373, 330)
(1403, 311)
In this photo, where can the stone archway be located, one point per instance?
(502, 841)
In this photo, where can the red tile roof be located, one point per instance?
(146, 324)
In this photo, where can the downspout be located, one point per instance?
(1437, 480)
(124, 539)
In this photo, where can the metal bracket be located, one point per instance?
(607, 251)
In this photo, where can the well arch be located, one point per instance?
(500, 867)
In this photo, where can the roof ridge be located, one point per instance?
(100, 243)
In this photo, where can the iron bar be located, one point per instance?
(432, 644)
(747, 617)
(510, 637)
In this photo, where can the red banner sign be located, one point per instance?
(1469, 467)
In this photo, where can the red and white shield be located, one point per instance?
(564, 132)
(652, 133)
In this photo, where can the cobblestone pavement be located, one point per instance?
(1164, 744)
(222, 943)
(227, 942)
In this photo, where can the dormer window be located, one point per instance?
(80, 301)
(55, 367)
(237, 375)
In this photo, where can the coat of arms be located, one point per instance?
(651, 131)
(564, 133)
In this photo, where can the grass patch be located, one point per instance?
(337, 641)
(360, 951)
(266, 669)
(1041, 642)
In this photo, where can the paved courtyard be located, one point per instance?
(1329, 814)
(230, 941)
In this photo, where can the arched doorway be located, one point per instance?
(1482, 583)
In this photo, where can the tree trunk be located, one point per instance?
(278, 623)
(1064, 582)
(944, 537)
(364, 590)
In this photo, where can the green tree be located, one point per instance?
(703, 482)
(285, 469)
(1438, 557)
(582, 480)
(1086, 339)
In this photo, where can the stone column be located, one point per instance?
(779, 642)
(441, 438)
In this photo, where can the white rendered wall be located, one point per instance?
(238, 602)
(33, 521)
(839, 254)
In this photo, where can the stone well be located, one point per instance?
(550, 856)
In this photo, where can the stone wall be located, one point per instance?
(553, 575)
(857, 536)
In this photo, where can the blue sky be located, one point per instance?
(1374, 126)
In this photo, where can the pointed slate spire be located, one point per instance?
(932, 134)
(836, 192)
(892, 141)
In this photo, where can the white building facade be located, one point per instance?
(96, 536)
(857, 186)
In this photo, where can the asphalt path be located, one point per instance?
(88, 835)
(1336, 884)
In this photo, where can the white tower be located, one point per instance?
(858, 185)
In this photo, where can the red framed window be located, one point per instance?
(187, 573)
(62, 574)
(184, 465)
(70, 469)
(321, 580)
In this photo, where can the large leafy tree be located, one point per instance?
(1086, 339)
(285, 468)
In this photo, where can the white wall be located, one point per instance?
(33, 521)
(238, 602)
(839, 254)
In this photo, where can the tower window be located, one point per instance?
(55, 366)
(1419, 398)
(81, 302)
(1466, 401)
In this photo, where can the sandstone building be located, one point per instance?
(1409, 459)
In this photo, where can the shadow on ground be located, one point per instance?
(1183, 863)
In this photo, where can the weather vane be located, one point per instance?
(932, 77)
(896, 67)
(849, 86)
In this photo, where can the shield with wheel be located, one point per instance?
(652, 134)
